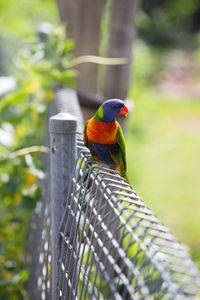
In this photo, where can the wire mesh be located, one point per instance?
(113, 246)
(44, 280)
(40, 240)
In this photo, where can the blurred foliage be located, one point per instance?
(40, 67)
(167, 23)
(18, 23)
(19, 20)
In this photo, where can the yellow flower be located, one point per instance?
(49, 270)
(19, 131)
(30, 178)
(35, 116)
(33, 86)
(50, 94)
(7, 275)
(2, 259)
(17, 198)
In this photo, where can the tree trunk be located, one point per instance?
(121, 38)
(67, 11)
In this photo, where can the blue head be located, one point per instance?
(110, 109)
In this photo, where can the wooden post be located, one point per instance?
(83, 22)
(121, 38)
(87, 40)
(62, 129)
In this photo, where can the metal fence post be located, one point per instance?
(62, 129)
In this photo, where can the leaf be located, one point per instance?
(96, 60)
(22, 152)
(13, 98)
(21, 277)
(24, 274)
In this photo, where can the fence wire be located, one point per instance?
(111, 246)
(40, 253)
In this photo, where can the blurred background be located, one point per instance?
(162, 131)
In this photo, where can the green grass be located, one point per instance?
(163, 155)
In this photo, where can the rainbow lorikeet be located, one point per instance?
(104, 137)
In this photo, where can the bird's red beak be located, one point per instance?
(124, 111)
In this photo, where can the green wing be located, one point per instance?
(122, 145)
(85, 138)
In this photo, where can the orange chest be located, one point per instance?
(101, 133)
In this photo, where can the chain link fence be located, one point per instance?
(94, 237)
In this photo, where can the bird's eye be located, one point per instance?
(112, 106)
